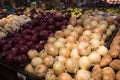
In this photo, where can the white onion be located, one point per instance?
(62, 59)
(82, 75)
(94, 57)
(94, 43)
(84, 62)
(58, 67)
(74, 53)
(102, 50)
(64, 52)
(72, 65)
(36, 61)
(32, 53)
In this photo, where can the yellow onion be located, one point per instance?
(71, 39)
(58, 44)
(61, 40)
(50, 76)
(86, 33)
(78, 29)
(96, 36)
(83, 38)
(75, 34)
(62, 59)
(41, 70)
(64, 52)
(32, 53)
(94, 57)
(66, 32)
(64, 76)
(42, 54)
(112, 27)
(51, 39)
(74, 53)
(58, 34)
(102, 50)
(58, 67)
(29, 68)
(82, 75)
(70, 27)
(36, 61)
(108, 32)
(86, 21)
(84, 62)
(98, 30)
(94, 43)
(88, 27)
(70, 45)
(72, 65)
(73, 21)
(49, 61)
(94, 23)
(52, 50)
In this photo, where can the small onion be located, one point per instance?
(70, 45)
(36, 61)
(72, 65)
(83, 38)
(74, 53)
(70, 27)
(78, 29)
(82, 75)
(50, 76)
(84, 62)
(108, 32)
(64, 52)
(62, 59)
(58, 67)
(102, 50)
(94, 57)
(73, 21)
(96, 36)
(58, 44)
(104, 37)
(61, 40)
(86, 21)
(102, 26)
(98, 30)
(88, 27)
(52, 50)
(51, 40)
(86, 33)
(75, 34)
(59, 34)
(64, 76)
(41, 70)
(71, 39)
(94, 43)
(94, 23)
(66, 32)
(49, 61)
(42, 54)
(29, 68)
(112, 27)
(32, 53)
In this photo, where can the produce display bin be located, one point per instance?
(24, 75)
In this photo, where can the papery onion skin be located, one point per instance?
(72, 65)
(36, 61)
(82, 75)
(66, 32)
(94, 43)
(29, 68)
(49, 61)
(62, 59)
(64, 76)
(71, 39)
(51, 40)
(50, 76)
(102, 50)
(41, 70)
(42, 54)
(58, 67)
(74, 53)
(84, 62)
(32, 53)
(64, 52)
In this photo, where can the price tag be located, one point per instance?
(21, 76)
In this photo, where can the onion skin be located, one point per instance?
(66, 32)
(41, 70)
(51, 40)
(62, 59)
(58, 67)
(71, 39)
(74, 53)
(82, 75)
(102, 50)
(72, 65)
(64, 76)
(29, 68)
(50, 76)
(42, 54)
(36, 61)
(64, 52)
(49, 61)
(32, 53)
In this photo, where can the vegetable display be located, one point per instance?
(15, 47)
(79, 53)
